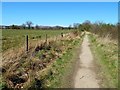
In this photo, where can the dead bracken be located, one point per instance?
(35, 60)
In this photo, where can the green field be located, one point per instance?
(16, 38)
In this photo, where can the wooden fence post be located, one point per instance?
(46, 38)
(61, 34)
(27, 43)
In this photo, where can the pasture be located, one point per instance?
(16, 38)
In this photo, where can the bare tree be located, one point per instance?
(75, 25)
(13, 26)
(70, 26)
(37, 26)
(23, 26)
(87, 25)
(29, 23)
(87, 22)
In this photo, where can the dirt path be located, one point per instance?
(86, 76)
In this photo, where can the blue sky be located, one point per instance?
(58, 13)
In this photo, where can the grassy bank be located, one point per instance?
(63, 68)
(106, 54)
(59, 73)
(47, 66)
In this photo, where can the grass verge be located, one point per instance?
(106, 55)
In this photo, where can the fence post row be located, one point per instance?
(46, 38)
(27, 48)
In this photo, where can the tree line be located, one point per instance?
(29, 25)
(100, 28)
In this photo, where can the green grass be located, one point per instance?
(16, 38)
(106, 55)
(62, 67)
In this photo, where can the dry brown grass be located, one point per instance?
(18, 62)
(105, 30)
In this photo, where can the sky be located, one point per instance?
(58, 13)
(60, 0)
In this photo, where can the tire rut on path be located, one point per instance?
(85, 76)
